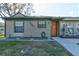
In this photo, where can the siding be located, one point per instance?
(9, 28)
(60, 28)
(30, 28)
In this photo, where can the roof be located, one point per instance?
(20, 16)
(1, 24)
(32, 18)
(70, 18)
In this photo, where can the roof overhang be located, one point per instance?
(70, 18)
(32, 18)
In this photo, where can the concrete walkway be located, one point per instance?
(69, 44)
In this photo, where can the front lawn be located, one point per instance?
(1, 35)
(32, 48)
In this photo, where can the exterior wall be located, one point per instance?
(9, 28)
(61, 27)
(30, 29)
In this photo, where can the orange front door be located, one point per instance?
(54, 28)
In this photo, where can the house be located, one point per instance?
(2, 28)
(20, 25)
(69, 27)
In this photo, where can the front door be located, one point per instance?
(54, 28)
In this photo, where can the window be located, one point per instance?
(41, 24)
(19, 26)
(1, 29)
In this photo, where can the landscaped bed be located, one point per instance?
(32, 48)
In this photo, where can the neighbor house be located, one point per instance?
(20, 25)
(2, 28)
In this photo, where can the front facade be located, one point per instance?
(30, 26)
(27, 26)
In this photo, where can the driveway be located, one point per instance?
(70, 44)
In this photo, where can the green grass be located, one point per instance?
(1, 35)
(50, 48)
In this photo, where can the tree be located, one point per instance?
(10, 9)
(28, 9)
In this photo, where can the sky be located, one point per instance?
(56, 9)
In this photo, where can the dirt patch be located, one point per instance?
(37, 52)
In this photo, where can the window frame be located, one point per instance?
(41, 24)
(16, 31)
